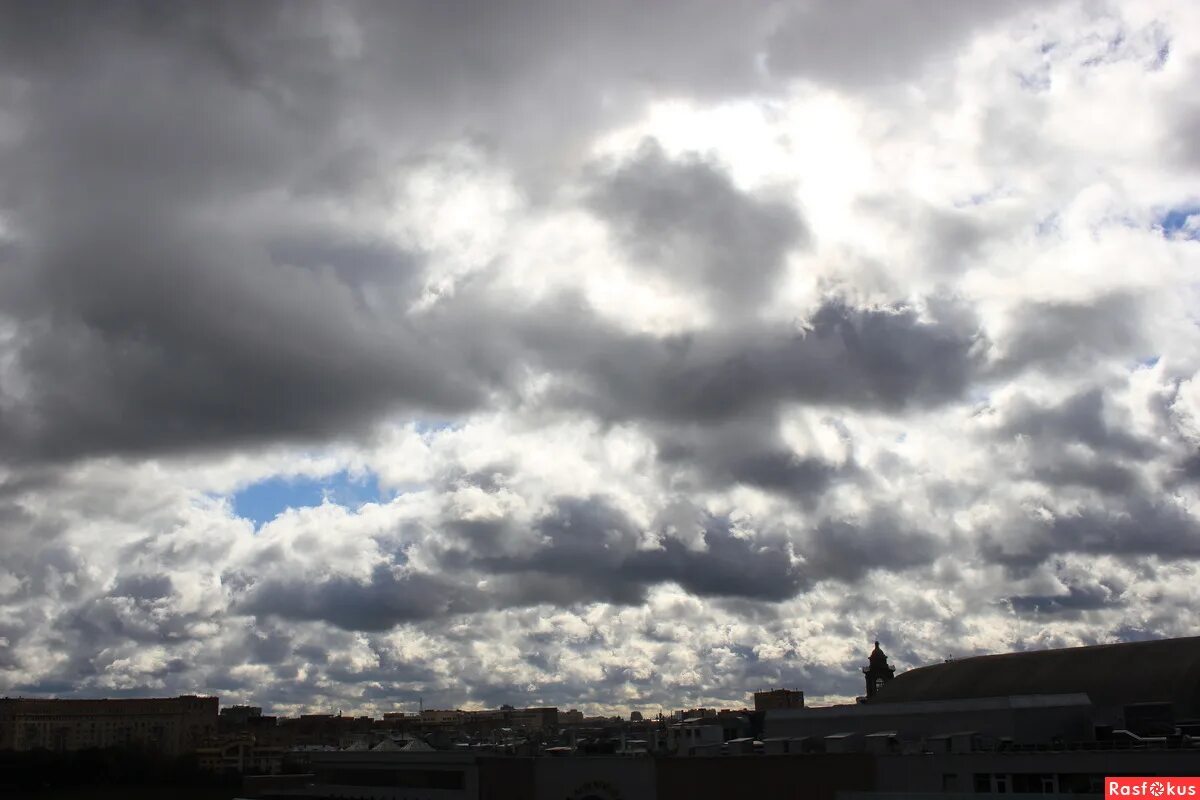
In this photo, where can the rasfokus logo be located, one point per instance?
(1151, 787)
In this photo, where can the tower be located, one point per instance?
(877, 671)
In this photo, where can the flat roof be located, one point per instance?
(932, 706)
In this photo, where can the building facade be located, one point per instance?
(243, 756)
(169, 725)
(778, 698)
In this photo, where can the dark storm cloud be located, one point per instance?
(198, 342)
(155, 313)
(1083, 441)
(748, 451)
(1058, 335)
(144, 587)
(846, 551)
(1086, 471)
(862, 43)
(1081, 418)
(1077, 599)
(384, 600)
(151, 318)
(589, 551)
(782, 471)
(586, 550)
(1139, 526)
(878, 357)
(597, 545)
(110, 618)
(686, 221)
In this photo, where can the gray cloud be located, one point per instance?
(1140, 526)
(1054, 335)
(1080, 418)
(879, 357)
(863, 43)
(686, 221)
(1075, 600)
(585, 550)
(385, 600)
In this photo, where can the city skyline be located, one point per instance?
(611, 356)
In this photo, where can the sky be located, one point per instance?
(614, 356)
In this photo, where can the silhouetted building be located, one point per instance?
(245, 720)
(1032, 719)
(529, 719)
(170, 725)
(878, 672)
(533, 718)
(241, 756)
(778, 698)
(239, 715)
(1114, 677)
(696, 713)
(862, 775)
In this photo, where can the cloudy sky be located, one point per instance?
(611, 355)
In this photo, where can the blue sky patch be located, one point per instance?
(1175, 219)
(263, 501)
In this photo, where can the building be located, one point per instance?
(778, 698)
(390, 775)
(1117, 678)
(451, 776)
(434, 716)
(1001, 773)
(239, 715)
(878, 672)
(242, 756)
(1048, 697)
(695, 736)
(314, 730)
(1031, 719)
(170, 725)
(534, 719)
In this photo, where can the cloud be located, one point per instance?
(687, 221)
(867, 44)
(866, 357)
(687, 348)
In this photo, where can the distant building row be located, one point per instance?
(170, 726)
